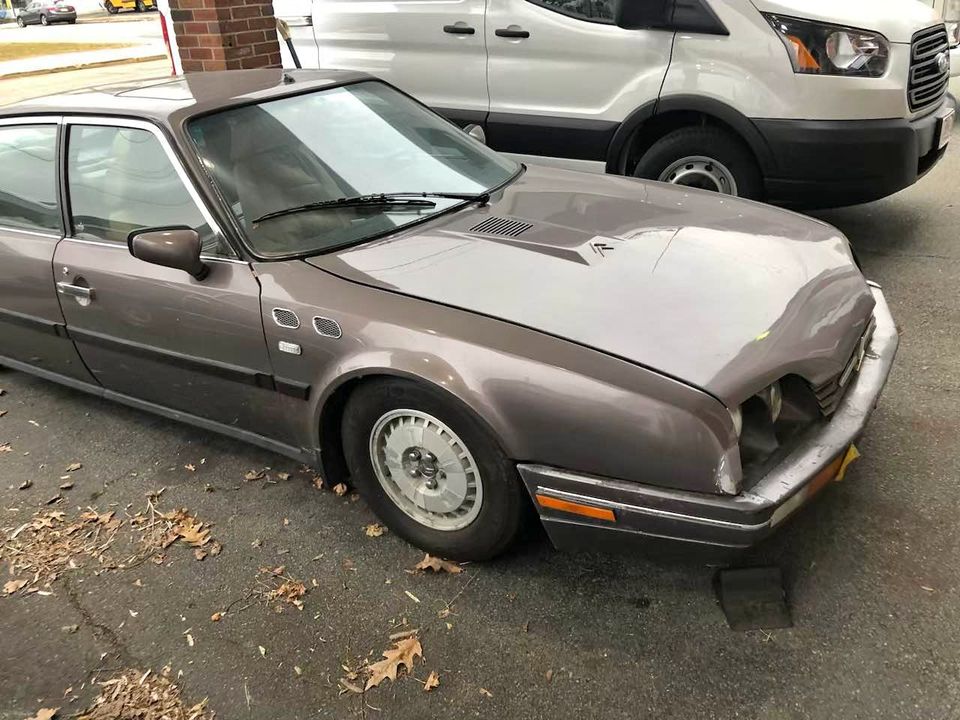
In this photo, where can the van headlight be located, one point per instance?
(816, 48)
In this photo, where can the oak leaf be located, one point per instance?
(340, 489)
(193, 533)
(403, 654)
(436, 564)
(374, 530)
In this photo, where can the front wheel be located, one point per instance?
(708, 158)
(139, 7)
(110, 7)
(44, 21)
(431, 471)
(20, 22)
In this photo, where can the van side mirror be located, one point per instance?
(173, 247)
(476, 132)
(694, 16)
(642, 14)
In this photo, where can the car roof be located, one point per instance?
(170, 99)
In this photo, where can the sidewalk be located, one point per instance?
(16, 89)
(72, 61)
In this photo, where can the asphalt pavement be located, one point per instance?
(872, 566)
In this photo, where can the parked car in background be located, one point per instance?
(798, 103)
(115, 6)
(46, 13)
(316, 263)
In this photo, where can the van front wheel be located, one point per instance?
(707, 158)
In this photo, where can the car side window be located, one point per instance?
(598, 11)
(121, 179)
(28, 178)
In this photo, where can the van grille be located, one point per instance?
(928, 82)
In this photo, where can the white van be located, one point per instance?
(806, 103)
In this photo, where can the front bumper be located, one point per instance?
(830, 163)
(645, 514)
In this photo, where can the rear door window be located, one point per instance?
(28, 178)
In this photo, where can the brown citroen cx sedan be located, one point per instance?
(315, 263)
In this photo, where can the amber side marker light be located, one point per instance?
(576, 508)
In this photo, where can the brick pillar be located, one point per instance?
(225, 34)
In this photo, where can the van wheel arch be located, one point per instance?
(651, 121)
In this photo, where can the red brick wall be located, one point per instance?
(225, 34)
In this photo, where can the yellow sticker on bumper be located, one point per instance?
(852, 454)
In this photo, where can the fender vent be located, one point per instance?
(327, 327)
(505, 227)
(286, 318)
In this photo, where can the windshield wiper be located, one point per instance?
(401, 199)
(380, 200)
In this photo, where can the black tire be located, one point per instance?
(139, 7)
(502, 508)
(110, 8)
(21, 23)
(708, 142)
(44, 21)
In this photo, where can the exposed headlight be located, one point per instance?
(822, 49)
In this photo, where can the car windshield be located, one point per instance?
(282, 165)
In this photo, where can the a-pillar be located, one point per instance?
(225, 34)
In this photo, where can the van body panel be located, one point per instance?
(406, 43)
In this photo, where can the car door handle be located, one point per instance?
(458, 29)
(77, 291)
(508, 33)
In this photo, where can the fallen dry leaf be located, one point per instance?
(374, 530)
(340, 489)
(199, 554)
(484, 691)
(193, 533)
(66, 486)
(403, 654)
(215, 549)
(25, 485)
(45, 714)
(436, 564)
(11, 586)
(433, 680)
(2, 413)
(217, 617)
(190, 467)
(252, 475)
(283, 476)
(317, 482)
(5, 448)
(73, 467)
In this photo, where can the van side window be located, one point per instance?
(598, 11)
(28, 180)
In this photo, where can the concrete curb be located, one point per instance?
(82, 66)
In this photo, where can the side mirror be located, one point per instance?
(476, 132)
(173, 247)
(642, 14)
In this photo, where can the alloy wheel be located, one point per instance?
(426, 470)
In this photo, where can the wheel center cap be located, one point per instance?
(421, 463)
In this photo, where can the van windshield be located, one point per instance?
(293, 169)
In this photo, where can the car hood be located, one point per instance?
(897, 20)
(724, 294)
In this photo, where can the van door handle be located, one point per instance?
(508, 33)
(458, 29)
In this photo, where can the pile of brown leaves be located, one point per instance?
(50, 543)
(143, 696)
(275, 585)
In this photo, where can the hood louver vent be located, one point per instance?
(504, 227)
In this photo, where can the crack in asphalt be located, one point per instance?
(101, 632)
